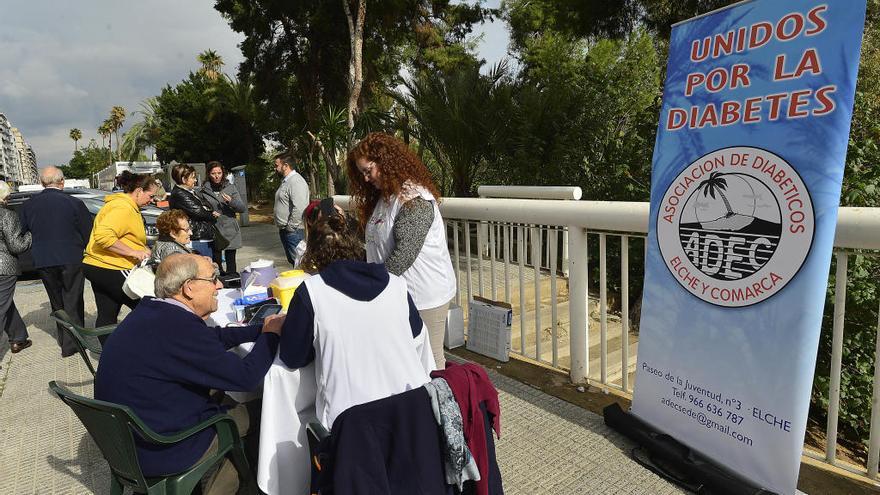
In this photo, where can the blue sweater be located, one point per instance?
(163, 361)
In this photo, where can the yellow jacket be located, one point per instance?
(119, 220)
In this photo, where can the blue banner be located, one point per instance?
(746, 181)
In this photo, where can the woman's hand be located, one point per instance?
(141, 255)
(216, 214)
(227, 198)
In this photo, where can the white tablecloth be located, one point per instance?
(224, 314)
(288, 405)
(284, 466)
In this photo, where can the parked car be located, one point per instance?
(94, 200)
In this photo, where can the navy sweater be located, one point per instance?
(163, 361)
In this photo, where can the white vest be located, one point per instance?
(364, 350)
(431, 279)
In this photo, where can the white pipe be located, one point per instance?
(531, 192)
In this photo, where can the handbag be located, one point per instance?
(140, 281)
(220, 241)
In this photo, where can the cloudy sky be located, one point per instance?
(64, 64)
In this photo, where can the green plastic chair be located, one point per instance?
(80, 334)
(112, 426)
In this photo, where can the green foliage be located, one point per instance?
(298, 52)
(87, 161)
(575, 18)
(462, 119)
(143, 134)
(198, 125)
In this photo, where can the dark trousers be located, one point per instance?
(10, 320)
(289, 240)
(109, 297)
(65, 285)
(229, 254)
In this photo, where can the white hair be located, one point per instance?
(51, 175)
(5, 191)
(173, 272)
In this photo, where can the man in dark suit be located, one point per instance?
(60, 225)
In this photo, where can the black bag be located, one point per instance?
(220, 242)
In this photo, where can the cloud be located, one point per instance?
(65, 66)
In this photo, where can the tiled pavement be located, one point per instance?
(547, 445)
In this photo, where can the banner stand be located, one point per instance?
(676, 462)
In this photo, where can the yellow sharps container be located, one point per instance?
(285, 285)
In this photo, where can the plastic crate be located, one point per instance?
(489, 328)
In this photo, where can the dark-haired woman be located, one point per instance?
(396, 200)
(222, 196)
(357, 323)
(118, 242)
(201, 216)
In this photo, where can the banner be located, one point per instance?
(746, 181)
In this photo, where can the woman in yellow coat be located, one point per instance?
(118, 242)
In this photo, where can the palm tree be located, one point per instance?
(715, 182)
(461, 117)
(237, 97)
(116, 120)
(76, 135)
(143, 134)
(104, 131)
(211, 64)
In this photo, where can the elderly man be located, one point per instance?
(60, 225)
(163, 361)
(291, 199)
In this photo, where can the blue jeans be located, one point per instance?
(289, 240)
(203, 248)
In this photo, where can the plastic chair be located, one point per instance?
(111, 426)
(80, 333)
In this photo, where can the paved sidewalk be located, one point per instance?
(548, 445)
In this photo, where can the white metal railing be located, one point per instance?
(526, 233)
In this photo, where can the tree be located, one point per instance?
(212, 64)
(461, 119)
(115, 123)
(104, 131)
(87, 161)
(300, 63)
(200, 121)
(76, 135)
(355, 64)
(143, 134)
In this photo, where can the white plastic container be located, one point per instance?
(489, 328)
(454, 336)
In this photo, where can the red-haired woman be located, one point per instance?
(396, 201)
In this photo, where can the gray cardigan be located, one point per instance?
(12, 242)
(227, 224)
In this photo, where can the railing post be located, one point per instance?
(577, 306)
(836, 357)
(874, 438)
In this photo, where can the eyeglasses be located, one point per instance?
(213, 280)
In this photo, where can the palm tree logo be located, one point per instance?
(716, 182)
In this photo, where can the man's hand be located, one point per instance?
(273, 324)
